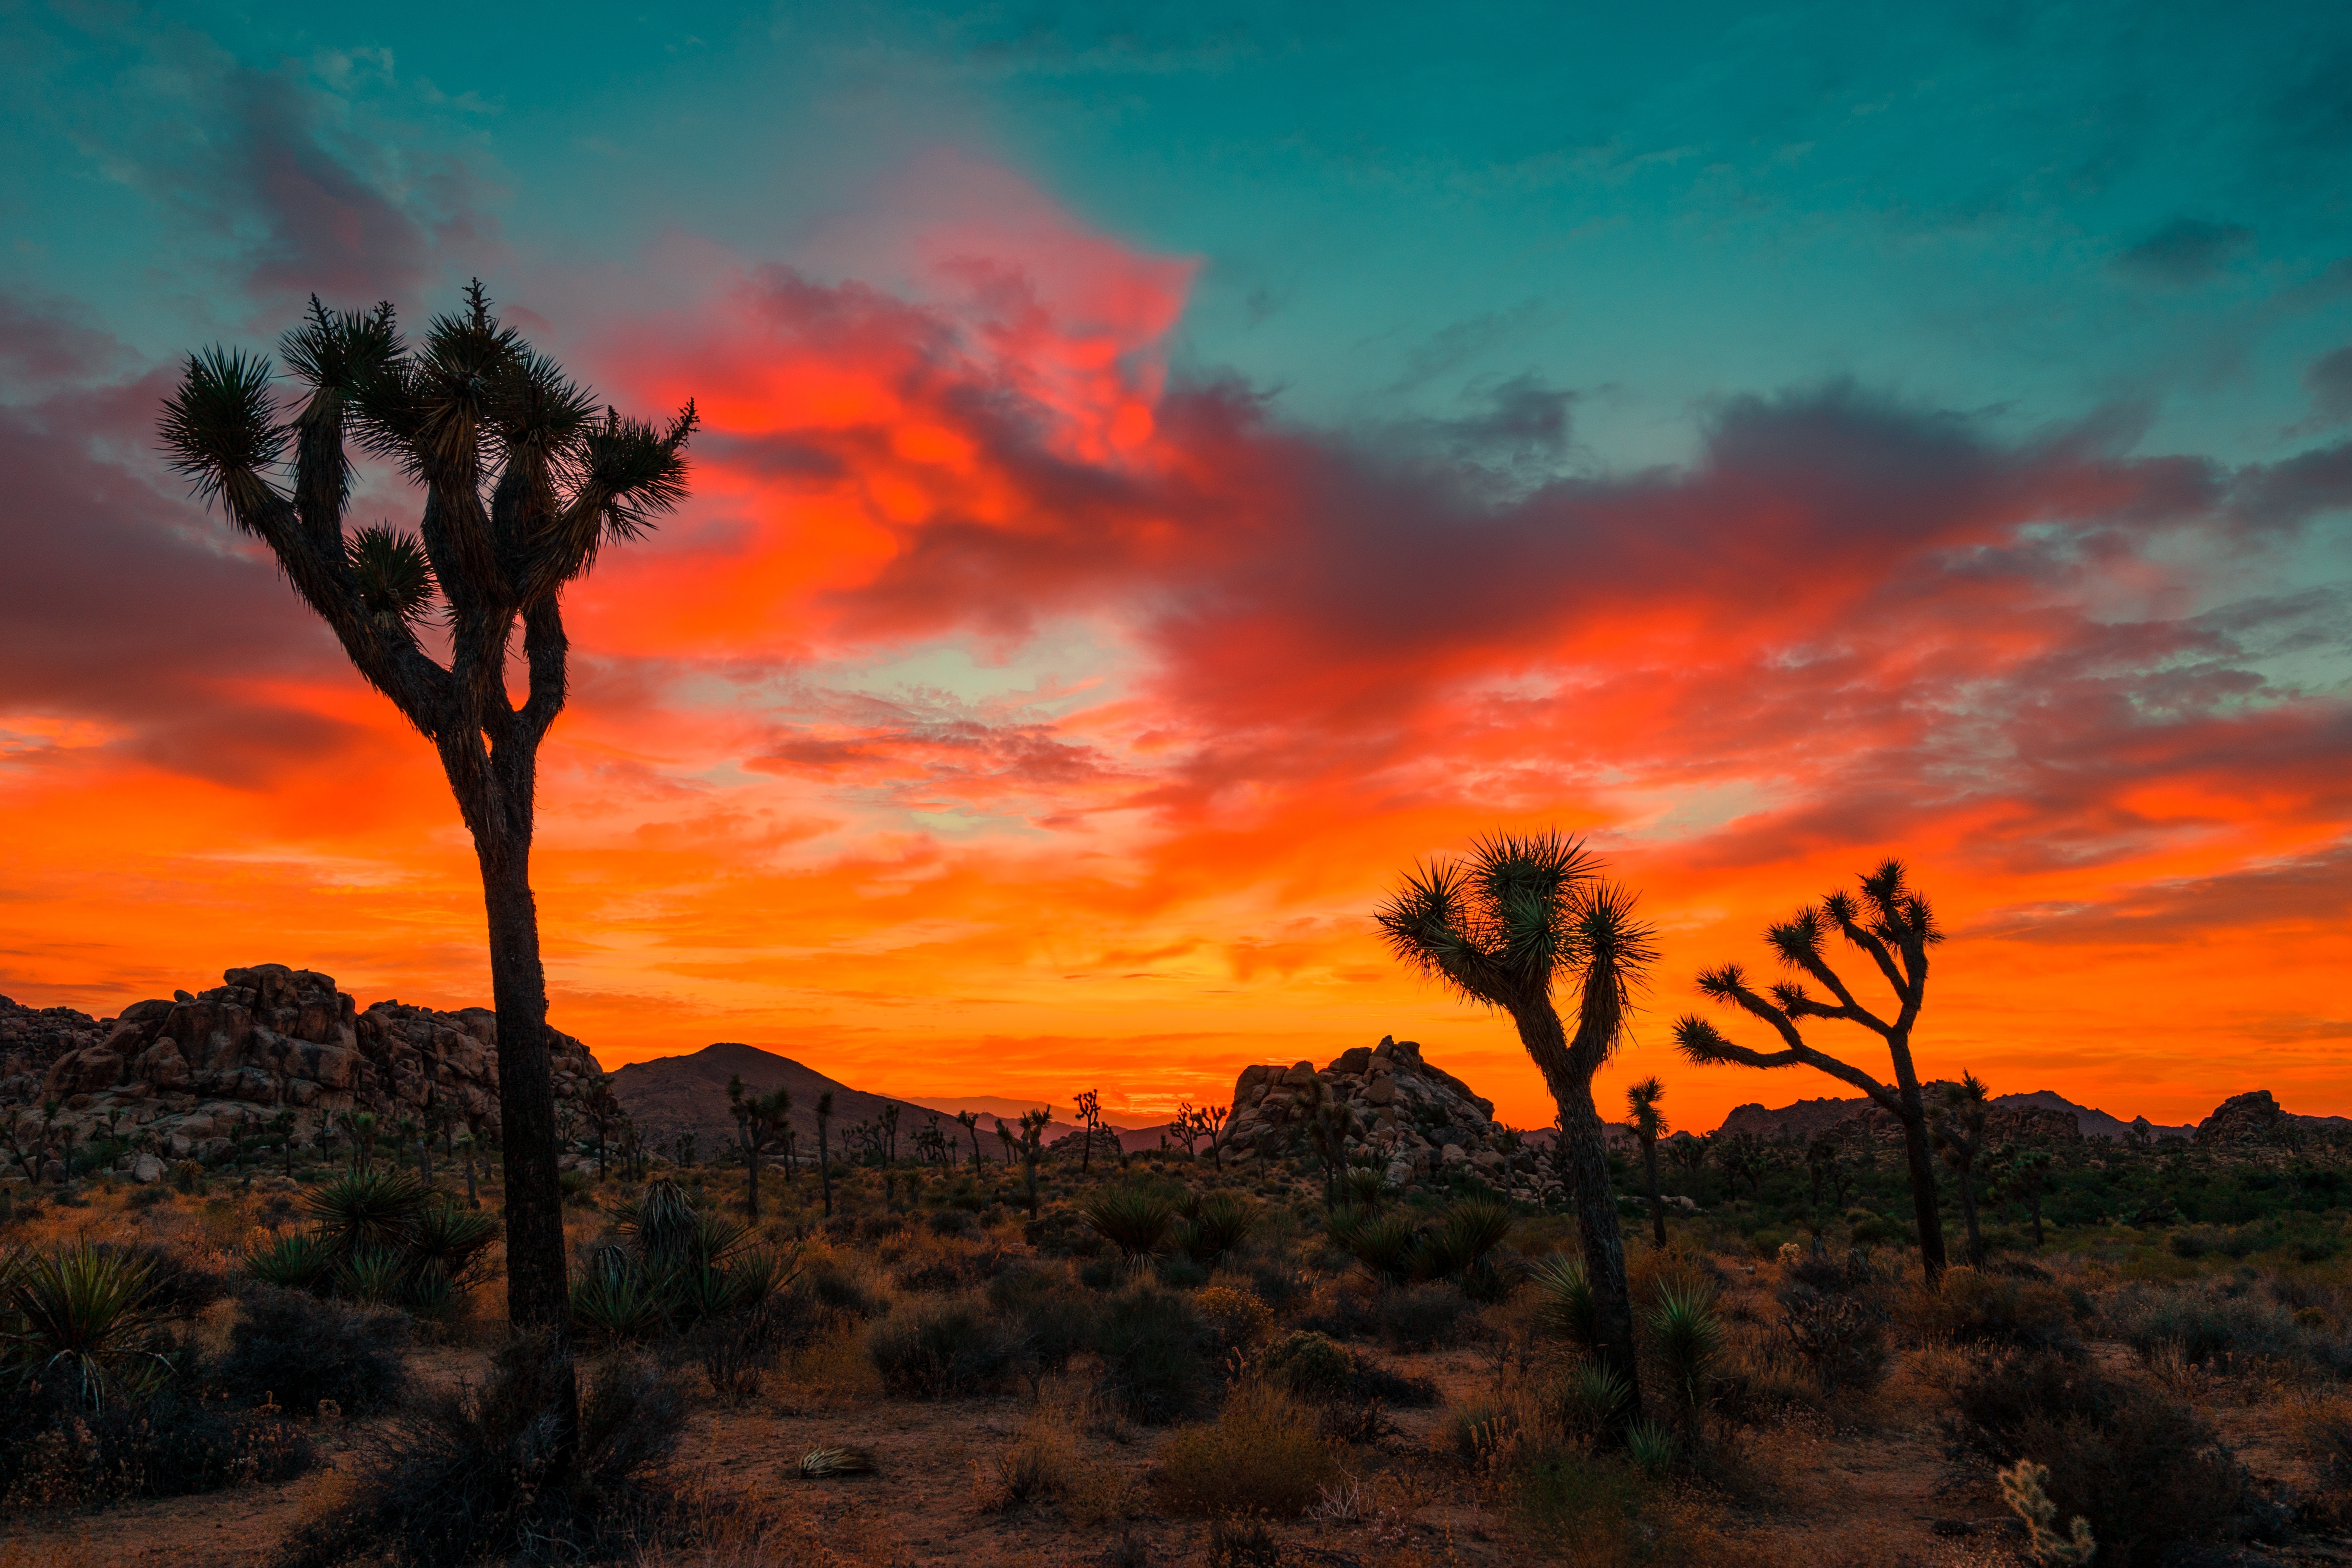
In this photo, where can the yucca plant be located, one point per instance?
(1365, 1187)
(828, 1461)
(1594, 1398)
(1653, 1446)
(1462, 1238)
(1566, 1293)
(297, 1260)
(659, 1224)
(450, 1240)
(85, 1314)
(1136, 1220)
(624, 1304)
(1387, 1245)
(1216, 1226)
(368, 1206)
(1687, 1339)
(372, 1276)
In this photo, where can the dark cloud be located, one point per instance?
(2303, 891)
(2185, 251)
(2329, 381)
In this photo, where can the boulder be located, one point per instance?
(147, 1168)
(2252, 1117)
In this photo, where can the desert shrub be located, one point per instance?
(939, 1350)
(1216, 1226)
(933, 1274)
(469, 1475)
(1313, 1368)
(1592, 1504)
(1061, 1232)
(1154, 1354)
(2212, 1324)
(2148, 1473)
(147, 1197)
(1841, 1338)
(1050, 1323)
(295, 1262)
(1565, 1305)
(83, 1320)
(2322, 1429)
(1236, 1318)
(1135, 1220)
(1422, 1317)
(952, 1222)
(1346, 1308)
(176, 1288)
(1974, 1306)
(837, 1289)
(60, 1451)
(1178, 1272)
(296, 1349)
(1262, 1456)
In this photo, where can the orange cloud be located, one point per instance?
(1009, 716)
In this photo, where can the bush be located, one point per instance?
(1975, 1306)
(952, 1222)
(177, 1289)
(1318, 1370)
(1235, 1319)
(468, 1475)
(1421, 1317)
(1061, 1233)
(1154, 1354)
(1050, 1322)
(940, 1351)
(84, 1320)
(2213, 1323)
(1217, 1226)
(2148, 1473)
(837, 1289)
(59, 1452)
(1262, 1456)
(1136, 1220)
(296, 1349)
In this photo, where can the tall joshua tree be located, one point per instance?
(1956, 1124)
(1892, 925)
(823, 1156)
(1503, 926)
(759, 1121)
(525, 479)
(1649, 1125)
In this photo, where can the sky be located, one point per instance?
(1166, 472)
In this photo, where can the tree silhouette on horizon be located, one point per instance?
(525, 481)
(1503, 927)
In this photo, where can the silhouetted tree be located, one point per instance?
(1088, 1114)
(1649, 1125)
(1956, 1123)
(524, 480)
(824, 1159)
(760, 1119)
(1894, 927)
(1033, 1148)
(1329, 1124)
(971, 1120)
(2023, 1175)
(1520, 915)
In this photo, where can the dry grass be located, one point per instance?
(1263, 1455)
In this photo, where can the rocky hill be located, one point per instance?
(182, 1074)
(2252, 1117)
(1421, 1121)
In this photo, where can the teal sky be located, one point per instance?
(2048, 214)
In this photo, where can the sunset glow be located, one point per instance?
(1033, 698)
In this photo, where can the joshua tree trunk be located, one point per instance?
(823, 1163)
(1657, 1198)
(1595, 1199)
(538, 1295)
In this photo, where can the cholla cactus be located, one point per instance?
(2021, 1488)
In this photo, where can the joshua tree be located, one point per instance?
(1824, 1159)
(1745, 1159)
(1956, 1124)
(1522, 914)
(1329, 1124)
(1089, 1112)
(282, 1127)
(971, 1121)
(602, 1111)
(824, 1160)
(1033, 1149)
(1649, 1124)
(1894, 926)
(886, 1142)
(2023, 1175)
(1210, 1121)
(758, 1117)
(524, 480)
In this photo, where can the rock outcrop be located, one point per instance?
(2252, 1117)
(183, 1075)
(1420, 1120)
(2011, 1118)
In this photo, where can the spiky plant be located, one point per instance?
(1136, 1220)
(449, 1240)
(625, 1304)
(1653, 1446)
(1219, 1225)
(1565, 1292)
(525, 479)
(1387, 1245)
(660, 1225)
(1687, 1339)
(1463, 1238)
(1365, 1188)
(88, 1315)
(1520, 916)
(1894, 927)
(297, 1260)
(372, 1275)
(366, 1207)
(1594, 1398)
(831, 1461)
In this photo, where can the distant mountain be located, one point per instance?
(1807, 1118)
(670, 1095)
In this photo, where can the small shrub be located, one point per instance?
(1422, 1317)
(1262, 1456)
(298, 1350)
(940, 1351)
(933, 1274)
(468, 1476)
(952, 1222)
(1236, 1318)
(1564, 1303)
(1154, 1354)
(1217, 1228)
(1179, 1273)
(1974, 1306)
(1136, 1220)
(177, 1289)
(1061, 1233)
(837, 1289)
(2206, 1324)
(60, 1452)
(2148, 1473)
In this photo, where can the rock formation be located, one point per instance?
(2251, 1118)
(1418, 1120)
(182, 1074)
(2012, 1118)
